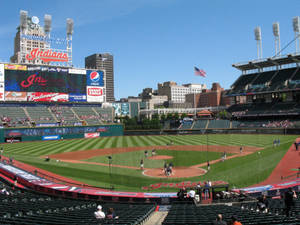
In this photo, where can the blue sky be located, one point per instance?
(160, 40)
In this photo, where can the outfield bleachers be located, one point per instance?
(40, 115)
(200, 124)
(105, 114)
(13, 117)
(87, 114)
(219, 124)
(64, 115)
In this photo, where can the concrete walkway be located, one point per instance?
(156, 218)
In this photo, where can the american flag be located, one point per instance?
(199, 72)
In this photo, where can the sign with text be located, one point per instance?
(1, 91)
(94, 94)
(95, 78)
(47, 97)
(1, 72)
(91, 135)
(15, 96)
(15, 67)
(77, 98)
(47, 56)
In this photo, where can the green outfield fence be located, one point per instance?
(56, 133)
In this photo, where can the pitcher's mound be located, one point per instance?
(156, 157)
(178, 172)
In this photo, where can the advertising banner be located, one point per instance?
(95, 78)
(15, 67)
(77, 71)
(125, 109)
(15, 96)
(1, 91)
(117, 108)
(94, 94)
(91, 135)
(51, 137)
(1, 72)
(77, 98)
(47, 97)
(46, 125)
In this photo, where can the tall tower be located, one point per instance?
(104, 62)
(29, 26)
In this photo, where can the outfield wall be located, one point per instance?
(279, 131)
(58, 133)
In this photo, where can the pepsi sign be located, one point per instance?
(95, 78)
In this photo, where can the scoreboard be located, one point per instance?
(35, 83)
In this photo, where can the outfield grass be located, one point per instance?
(180, 158)
(239, 172)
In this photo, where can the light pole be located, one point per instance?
(110, 172)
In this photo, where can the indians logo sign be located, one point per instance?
(47, 56)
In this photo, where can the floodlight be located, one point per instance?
(296, 24)
(23, 19)
(257, 33)
(47, 23)
(70, 25)
(276, 29)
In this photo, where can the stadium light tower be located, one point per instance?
(70, 26)
(257, 34)
(296, 26)
(276, 33)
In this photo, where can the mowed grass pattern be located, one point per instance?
(240, 172)
(54, 147)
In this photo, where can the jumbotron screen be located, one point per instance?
(44, 81)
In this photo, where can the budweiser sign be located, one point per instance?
(47, 56)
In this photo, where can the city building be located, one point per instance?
(209, 97)
(104, 62)
(152, 98)
(177, 93)
(30, 27)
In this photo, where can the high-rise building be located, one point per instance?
(104, 62)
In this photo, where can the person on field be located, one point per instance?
(153, 152)
(241, 150)
(146, 154)
(208, 166)
(142, 164)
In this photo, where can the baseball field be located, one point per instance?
(88, 161)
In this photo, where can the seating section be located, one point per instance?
(87, 114)
(31, 208)
(13, 117)
(185, 125)
(219, 124)
(64, 115)
(200, 124)
(40, 115)
(105, 114)
(190, 214)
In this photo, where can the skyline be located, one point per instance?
(154, 41)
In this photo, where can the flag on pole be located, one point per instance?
(199, 72)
